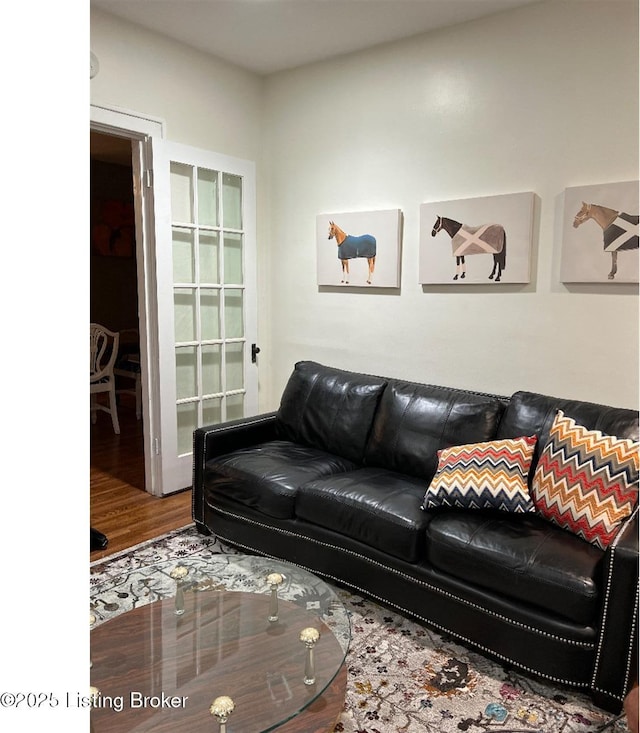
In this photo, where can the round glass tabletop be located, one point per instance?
(168, 639)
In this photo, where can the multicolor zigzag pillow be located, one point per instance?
(491, 475)
(586, 481)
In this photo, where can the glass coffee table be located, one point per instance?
(218, 642)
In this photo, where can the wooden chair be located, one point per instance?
(104, 351)
(128, 365)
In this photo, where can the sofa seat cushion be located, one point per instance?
(267, 476)
(522, 557)
(372, 505)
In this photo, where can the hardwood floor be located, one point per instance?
(120, 507)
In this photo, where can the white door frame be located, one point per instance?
(123, 123)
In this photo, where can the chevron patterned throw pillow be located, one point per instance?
(586, 481)
(491, 475)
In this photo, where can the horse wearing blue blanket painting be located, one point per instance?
(350, 247)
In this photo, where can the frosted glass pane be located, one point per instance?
(187, 422)
(186, 372)
(233, 321)
(235, 366)
(235, 406)
(233, 259)
(181, 182)
(210, 314)
(232, 201)
(183, 256)
(212, 411)
(211, 369)
(209, 258)
(207, 197)
(184, 308)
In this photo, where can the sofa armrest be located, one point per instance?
(216, 440)
(617, 645)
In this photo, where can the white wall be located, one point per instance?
(205, 102)
(536, 99)
(519, 101)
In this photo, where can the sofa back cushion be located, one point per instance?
(329, 409)
(530, 413)
(414, 421)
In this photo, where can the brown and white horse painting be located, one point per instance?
(465, 240)
(350, 247)
(619, 230)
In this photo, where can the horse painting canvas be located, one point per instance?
(601, 233)
(359, 250)
(474, 240)
(350, 247)
(479, 226)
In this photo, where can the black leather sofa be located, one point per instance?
(334, 481)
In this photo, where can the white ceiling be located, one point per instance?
(265, 36)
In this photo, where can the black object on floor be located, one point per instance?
(98, 540)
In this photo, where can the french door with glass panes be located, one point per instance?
(204, 206)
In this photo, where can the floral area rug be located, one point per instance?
(402, 676)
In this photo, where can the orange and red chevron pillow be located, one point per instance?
(586, 481)
(490, 475)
